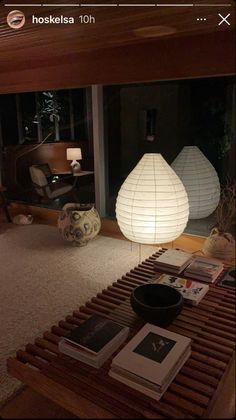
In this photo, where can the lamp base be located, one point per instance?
(76, 167)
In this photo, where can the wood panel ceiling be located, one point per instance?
(115, 26)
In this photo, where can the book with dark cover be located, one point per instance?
(229, 279)
(94, 341)
(94, 334)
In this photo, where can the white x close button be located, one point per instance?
(224, 19)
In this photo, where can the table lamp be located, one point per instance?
(74, 154)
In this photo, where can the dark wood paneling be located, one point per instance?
(115, 26)
(179, 58)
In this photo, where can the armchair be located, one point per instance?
(40, 176)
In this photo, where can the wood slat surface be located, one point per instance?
(210, 325)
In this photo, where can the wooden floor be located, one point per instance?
(28, 404)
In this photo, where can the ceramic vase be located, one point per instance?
(79, 223)
(220, 245)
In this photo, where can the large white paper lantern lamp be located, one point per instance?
(200, 180)
(152, 204)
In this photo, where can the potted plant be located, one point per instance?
(221, 243)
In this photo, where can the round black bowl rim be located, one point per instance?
(157, 307)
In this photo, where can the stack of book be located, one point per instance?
(192, 291)
(94, 341)
(204, 269)
(173, 261)
(151, 360)
(229, 279)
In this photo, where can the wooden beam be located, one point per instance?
(205, 55)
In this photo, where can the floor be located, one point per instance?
(28, 404)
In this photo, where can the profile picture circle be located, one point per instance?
(16, 19)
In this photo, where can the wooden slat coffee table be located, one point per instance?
(91, 393)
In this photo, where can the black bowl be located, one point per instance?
(156, 303)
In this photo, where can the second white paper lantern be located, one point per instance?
(152, 204)
(200, 180)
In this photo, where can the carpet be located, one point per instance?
(43, 278)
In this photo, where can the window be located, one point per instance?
(8, 116)
(164, 117)
(26, 105)
(28, 118)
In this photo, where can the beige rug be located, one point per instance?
(43, 278)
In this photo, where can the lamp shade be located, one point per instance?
(152, 204)
(73, 153)
(200, 180)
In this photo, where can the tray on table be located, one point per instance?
(91, 393)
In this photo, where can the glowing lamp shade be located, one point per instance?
(152, 204)
(200, 180)
(73, 153)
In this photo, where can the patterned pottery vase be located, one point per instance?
(220, 245)
(79, 223)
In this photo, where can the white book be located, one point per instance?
(165, 268)
(152, 354)
(148, 388)
(149, 392)
(173, 259)
(201, 278)
(192, 291)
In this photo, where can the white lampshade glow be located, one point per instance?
(73, 153)
(152, 204)
(200, 180)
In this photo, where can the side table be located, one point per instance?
(76, 175)
(3, 203)
(81, 173)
